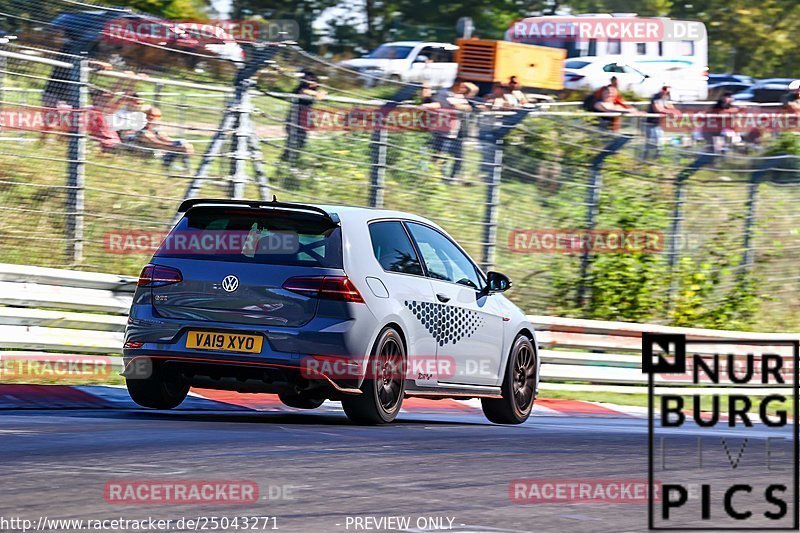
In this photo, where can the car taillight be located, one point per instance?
(326, 287)
(157, 276)
(574, 77)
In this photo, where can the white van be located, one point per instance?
(409, 61)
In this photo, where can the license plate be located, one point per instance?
(227, 342)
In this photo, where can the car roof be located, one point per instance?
(415, 43)
(347, 213)
(365, 214)
(775, 81)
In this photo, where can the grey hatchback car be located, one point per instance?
(357, 305)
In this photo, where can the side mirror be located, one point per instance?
(421, 59)
(497, 282)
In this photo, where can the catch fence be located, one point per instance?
(515, 187)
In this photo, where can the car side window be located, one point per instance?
(393, 248)
(443, 259)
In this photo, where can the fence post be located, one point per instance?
(493, 168)
(677, 221)
(182, 115)
(242, 153)
(76, 166)
(157, 97)
(3, 64)
(593, 206)
(291, 145)
(377, 171)
(749, 221)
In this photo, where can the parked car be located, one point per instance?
(643, 78)
(716, 90)
(589, 73)
(409, 61)
(714, 79)
(687, 79)
(325, 302)
(769, 90)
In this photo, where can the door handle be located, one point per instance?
(442, 297)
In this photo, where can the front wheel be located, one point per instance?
(519, 386)
(384, 386)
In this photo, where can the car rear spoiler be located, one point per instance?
(186, 205)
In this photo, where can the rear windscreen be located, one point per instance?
(255, 236)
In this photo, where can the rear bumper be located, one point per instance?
(285, 352)
(243, 375)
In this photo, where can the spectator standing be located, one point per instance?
(307, 92)
(455, 102)
(661, 105)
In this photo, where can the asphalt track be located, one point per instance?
(57, 462)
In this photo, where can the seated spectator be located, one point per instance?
(98, 125)
(516, 95)
(499, 98)
(717, 133)
(609, 100)
(151, 137)
(100, 114)
(426, 97)
(130, 118)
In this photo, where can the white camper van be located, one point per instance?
(676, 53)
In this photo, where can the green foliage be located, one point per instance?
(303, 12)
(720, 272)
(784, 144)
(172, 9)
(628, 286)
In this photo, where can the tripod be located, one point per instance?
(245, 144)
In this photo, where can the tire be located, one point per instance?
(518, 387)
(380, 399)
(300, 401)
(156, 393)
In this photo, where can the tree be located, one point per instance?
(304, 12)
(171, 9)
(758, 39)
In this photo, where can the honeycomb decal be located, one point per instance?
(447, 324)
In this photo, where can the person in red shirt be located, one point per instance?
(609, 100)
